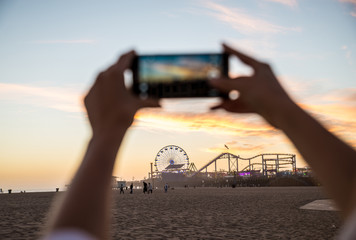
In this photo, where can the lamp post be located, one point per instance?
(153, 185)
(228, 157)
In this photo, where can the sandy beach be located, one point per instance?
(201, 213)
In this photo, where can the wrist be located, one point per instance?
(285, 115)
(109, 137)
(279, 114)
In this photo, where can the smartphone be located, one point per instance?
(178, 75)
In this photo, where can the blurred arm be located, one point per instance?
(333, 160)
(111, 108)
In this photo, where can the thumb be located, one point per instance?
(237, 106)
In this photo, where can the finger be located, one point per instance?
(237, 106)
(99, 79)
(97, 84)
(232, 106)
(226, 84)
(216, 107)
(116, 71)
(125, 60)
(243, 57)
(150, 103)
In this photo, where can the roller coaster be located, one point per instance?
(267, 164)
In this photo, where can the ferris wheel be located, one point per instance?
(171, 158)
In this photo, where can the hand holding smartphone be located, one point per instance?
(178, 75)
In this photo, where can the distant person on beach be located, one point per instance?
(131, 188)
(144, 187)
(84, 212)
(165, 187)
(122, 189)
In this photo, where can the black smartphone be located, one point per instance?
(178, 75)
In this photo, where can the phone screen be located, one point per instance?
(179, 75)
(179, 67)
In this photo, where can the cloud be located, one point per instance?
(302, 90)
(289, 3)
(348, 53)
(75, 41)
(345, 96)
(63, 99)
(239, 147)
(241, 21)
(265, 47)
(337, 119)
(169, 14)
(335, 109)
(349, 1)
(352, 2)
(231, 143)
(337, 114)
(262, 47)
(213, 123)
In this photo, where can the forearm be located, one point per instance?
(89, 196)
(333, 161)
(111, 109)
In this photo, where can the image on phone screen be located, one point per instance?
(178, 75)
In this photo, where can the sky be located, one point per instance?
(51, 52)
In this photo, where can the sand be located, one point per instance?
(201, 213)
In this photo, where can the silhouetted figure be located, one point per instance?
(165, 187)
(149, 188)
(57, 189)
(144, 187)
(10, 190)
(122, 189)
(131, 188)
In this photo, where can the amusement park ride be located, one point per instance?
(173, 159)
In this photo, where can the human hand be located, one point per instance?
(110, 106)
(259, 93)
